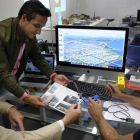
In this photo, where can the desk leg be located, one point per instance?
(43, 114)
(42, 109)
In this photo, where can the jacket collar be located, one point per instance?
(20, 36)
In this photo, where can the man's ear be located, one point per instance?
(24, 18)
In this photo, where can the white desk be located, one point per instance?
(95, 22)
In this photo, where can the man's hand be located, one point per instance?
(117, 93)
(34, 100)
(73, 113)
(16, 117)
(95, 109)
(61, 79)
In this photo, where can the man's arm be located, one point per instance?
(134, 101)
(50, 132)
(14, 115)
(54, 131)
(38, 60)
(4, 106)
(106, 130)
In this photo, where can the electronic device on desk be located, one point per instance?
(89, 89)
(129, 20)
(92, 51)
(32, 75)
(138, 16)
(132, 24)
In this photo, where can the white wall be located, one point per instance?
(116, 9)
(9, 8)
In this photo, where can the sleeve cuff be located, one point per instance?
(23, 96)
(10, 107)
(53, 76)
(61, 124)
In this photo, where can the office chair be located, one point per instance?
(110, 20)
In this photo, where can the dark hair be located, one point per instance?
(33, 7)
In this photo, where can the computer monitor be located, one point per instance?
(92, 51)
(32, 69)
(138, 15)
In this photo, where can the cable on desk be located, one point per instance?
(122, 111)
(80, 94)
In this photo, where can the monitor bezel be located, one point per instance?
(138, 15)
(59, 63)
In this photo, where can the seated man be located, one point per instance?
(50, 132)
(106, 130)
(136, 40)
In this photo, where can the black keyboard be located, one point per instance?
(89, 89)
(34, 80)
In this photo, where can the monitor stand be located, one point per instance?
(89, 79)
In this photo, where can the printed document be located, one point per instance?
(60, 97)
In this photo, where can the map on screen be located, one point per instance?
(92, 48)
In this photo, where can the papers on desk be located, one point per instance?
(134, 112)
(60, 97)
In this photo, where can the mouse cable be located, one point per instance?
(123, 110)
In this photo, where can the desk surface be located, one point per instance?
(86, 123)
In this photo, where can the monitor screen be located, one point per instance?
(31, 69)
(138, 15)
(91, 48)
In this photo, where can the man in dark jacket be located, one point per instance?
(17, 43)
